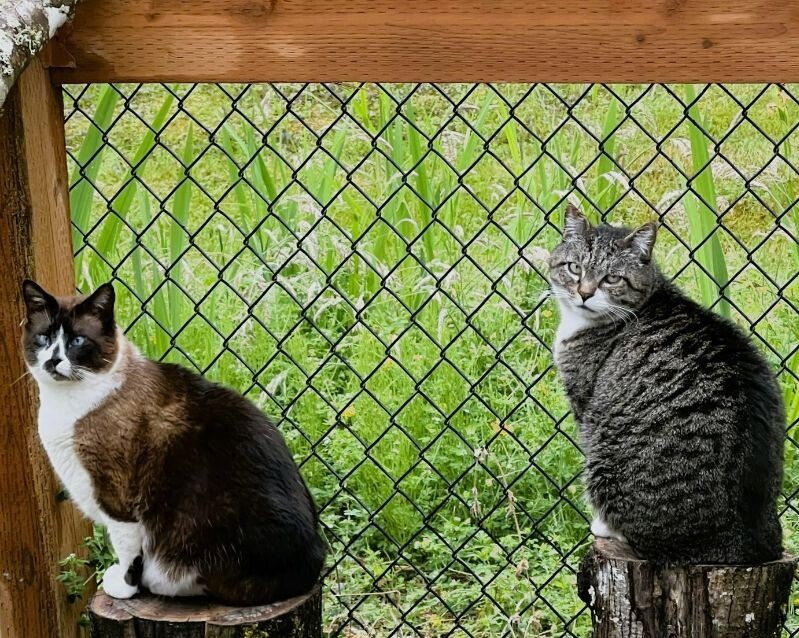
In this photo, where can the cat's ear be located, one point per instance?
(100, 304)
(642, 240)
(37, 299)
(575, 224)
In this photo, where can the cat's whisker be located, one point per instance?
(19, 378)
(630, 314)
(614, 314)
(627, 314)
(81, 373)
(557, 294)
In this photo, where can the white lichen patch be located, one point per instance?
(6, 49)
(25, 27)
(56, 17)
(749, 618)
(11, 19)
(29, 38)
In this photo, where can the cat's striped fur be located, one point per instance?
(680, 416)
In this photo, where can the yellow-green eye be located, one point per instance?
(573, 268)
(612, 279)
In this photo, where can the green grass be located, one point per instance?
(398, 371)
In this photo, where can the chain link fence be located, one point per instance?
(367, 263)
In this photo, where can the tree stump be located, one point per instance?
(631, 598)
(157, 617)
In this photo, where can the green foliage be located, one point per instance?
(405, 364)
(609, 177)
(701, 212)
(84, 173)
(77, 571)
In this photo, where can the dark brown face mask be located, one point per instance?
(68, 338)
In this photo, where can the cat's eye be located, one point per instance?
(42, 340)
(573, 268)
(78, 341)
(612, 279)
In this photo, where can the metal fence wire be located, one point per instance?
(367, 263)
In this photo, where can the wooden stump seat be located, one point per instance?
(147, 616)
(629, 597)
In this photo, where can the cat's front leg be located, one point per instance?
(122, 579)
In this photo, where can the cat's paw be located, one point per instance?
(601, 529)
(114, 583)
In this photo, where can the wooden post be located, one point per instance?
(629, 597)
(35, 529)
(145, 616)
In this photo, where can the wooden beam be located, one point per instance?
(434, 40)
(35, 529)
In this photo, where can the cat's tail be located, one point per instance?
(255, 590)
(244, 589)
(735, 546)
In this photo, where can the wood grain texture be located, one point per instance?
(434, 40)
(145, 616)
(630, 598)
(35, 530)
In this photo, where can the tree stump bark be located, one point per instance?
(631, 598)
(157, 617)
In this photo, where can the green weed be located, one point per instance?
(386, 311)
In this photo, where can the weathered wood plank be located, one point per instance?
(434, 40)
(35, 530)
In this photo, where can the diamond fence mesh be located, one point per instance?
(367, 263)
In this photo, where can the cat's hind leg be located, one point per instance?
(169, 581)
(121, 580)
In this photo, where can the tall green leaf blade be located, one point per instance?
(608, 187)
(84, 175)
(331, 164)
(330, 255)
(229, 141)
(178, 235)
(121, 204)
(159, 343)
(424, 186)
(468, 155)
(702, 214)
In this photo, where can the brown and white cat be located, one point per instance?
(197, 488)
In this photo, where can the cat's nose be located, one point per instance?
(50, 364)
(585, 293)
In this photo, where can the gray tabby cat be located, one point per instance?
(680, 417)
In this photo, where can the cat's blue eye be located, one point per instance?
(42, 340)
(573, 268)
(78, 341)
(612, 279)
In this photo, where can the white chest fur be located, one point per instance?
(62, 405)
(571, 322)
